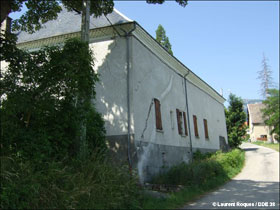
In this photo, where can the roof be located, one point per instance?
(255, 113)
(69, 22)
(68, 25)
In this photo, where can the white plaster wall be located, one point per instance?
(205, 107)
(111, 97)
(154, 79)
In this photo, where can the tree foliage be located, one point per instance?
(163, 39)
(265, 77)
(235, 119)
(40, 116)
(41, 11)
(271, 111)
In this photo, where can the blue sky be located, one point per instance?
(221, 41)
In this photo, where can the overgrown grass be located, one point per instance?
(98, 184)
(84, 185)
(274, 146)
(206, 173)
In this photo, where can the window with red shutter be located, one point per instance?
(195, 126)
(182, 123)
(158, 114)
(179, 121)
(205, 128)
(185, 123)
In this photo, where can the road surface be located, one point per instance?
(256, 187)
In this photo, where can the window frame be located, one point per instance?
(205, 123)
(158, 115)
(182, 123)
(196, 133)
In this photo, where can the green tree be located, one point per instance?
(235, 119)
(163, 39)
(271, 111)
(40, 116)
(41, 11)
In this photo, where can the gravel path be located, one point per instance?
(256, 187)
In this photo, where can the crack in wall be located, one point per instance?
(144, 158)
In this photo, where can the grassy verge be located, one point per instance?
(204, 175)
(269, 145)
(98, 184)
(91, 184)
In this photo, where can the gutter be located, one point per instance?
(189, 127)
(127, 34)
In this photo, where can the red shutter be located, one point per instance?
(206, 128)
(195, 125)
(158, 114)
(185, 123)
(179, 121)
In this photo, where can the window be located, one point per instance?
(182, 122)
(158, 114)
(195, 126)
(171, 120)
(205, 128)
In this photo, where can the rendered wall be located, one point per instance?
(111, 97)
(205, 107)
(158, 150)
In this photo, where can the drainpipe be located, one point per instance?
(189, 128)
(127, 34)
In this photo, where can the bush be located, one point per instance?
(89, 184)
(46, 100)
(204, 168)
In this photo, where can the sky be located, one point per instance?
(223, 42)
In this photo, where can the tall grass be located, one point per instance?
(94, 183)
(98, 184)
(206, 173)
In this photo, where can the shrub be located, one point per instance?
(94, 183)
(204, 168)
(48, 99)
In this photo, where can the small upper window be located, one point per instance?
(158, 114)
(205, 128)
(182, 122)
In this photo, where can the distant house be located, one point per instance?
(156, 110)
(245, 106)
(257, 128)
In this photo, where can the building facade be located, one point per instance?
(157, 112)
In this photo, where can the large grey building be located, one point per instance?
(156, 110)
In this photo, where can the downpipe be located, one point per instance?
(189, 127)
(127, 34)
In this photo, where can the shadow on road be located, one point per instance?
(250, 149)
(242, 191)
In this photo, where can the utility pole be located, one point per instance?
(85, 21)
(81, 100)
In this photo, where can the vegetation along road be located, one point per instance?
(257, 186)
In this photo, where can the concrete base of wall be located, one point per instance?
(148, 159)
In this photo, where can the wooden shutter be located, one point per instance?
(206, 128)
(158, 114)
(195, 125)
(185, 123)
(179, 123)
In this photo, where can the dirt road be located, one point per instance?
(256, 187)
